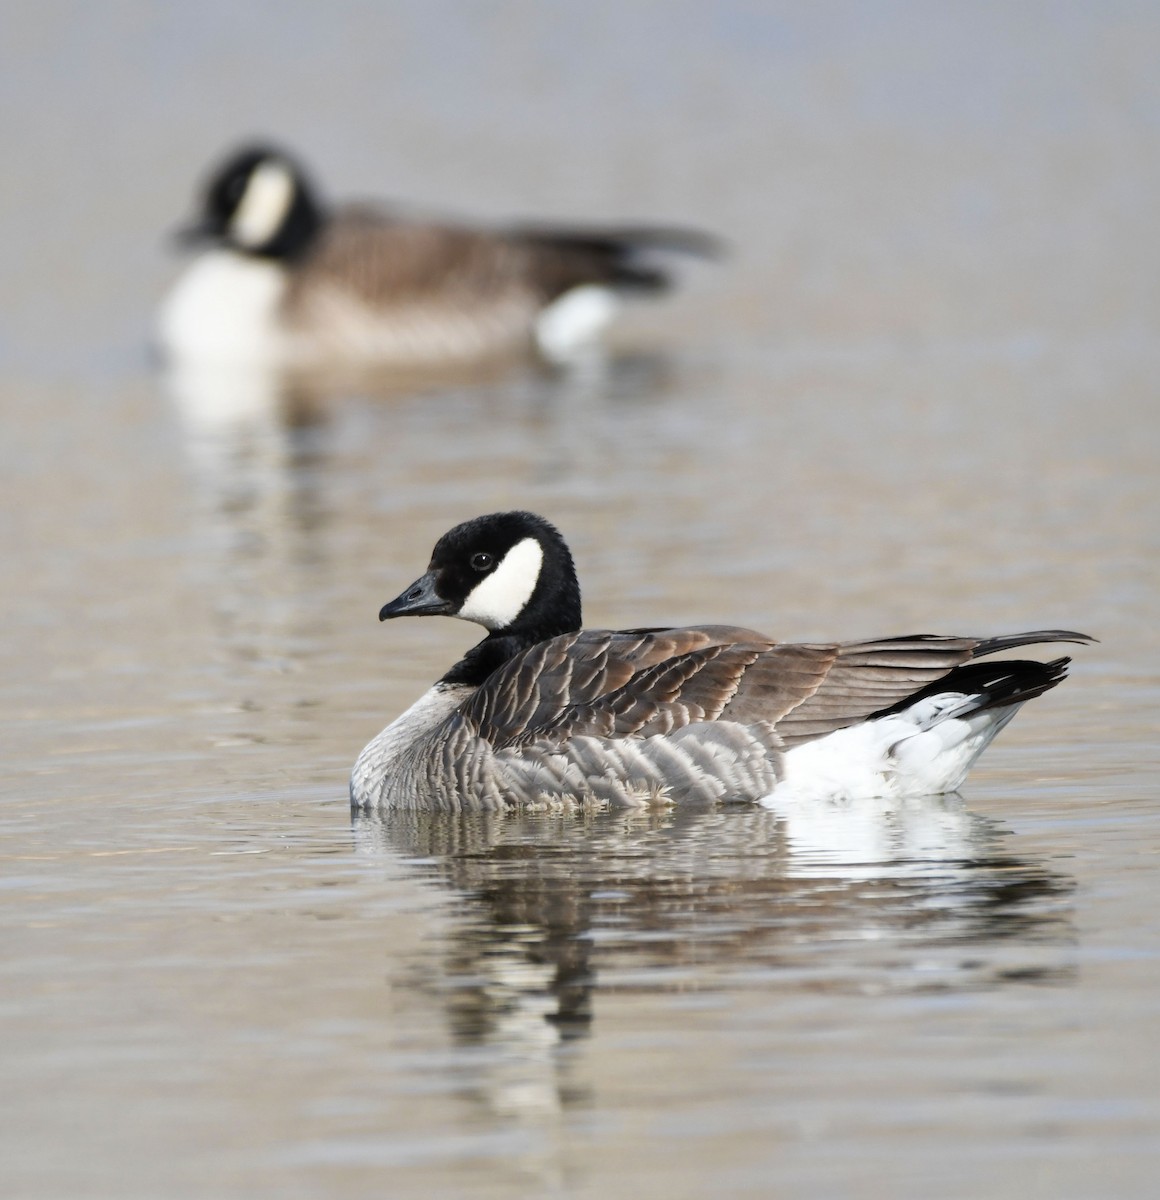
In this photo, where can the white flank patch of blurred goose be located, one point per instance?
(289, 282)
(541, 713)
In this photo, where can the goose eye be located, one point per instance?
(482, 561)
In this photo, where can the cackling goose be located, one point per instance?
(289, 282)
(541, 713)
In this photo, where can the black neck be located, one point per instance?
(482, 659)
(499, 647)
(298, 231)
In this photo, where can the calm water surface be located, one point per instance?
(922, 395)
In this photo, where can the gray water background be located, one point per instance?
(921, 394)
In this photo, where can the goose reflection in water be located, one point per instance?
(868, 898)
(248, 425)
(255, 445)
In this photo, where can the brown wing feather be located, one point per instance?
(637, 683)
(866, 677)
(385, 262)
(608, 683)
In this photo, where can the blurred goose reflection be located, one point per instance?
(241, 425)
(865, 898)
(245, 427)
(254, 441)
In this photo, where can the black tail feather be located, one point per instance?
(997, 684)
(624, 240)
(629, 257)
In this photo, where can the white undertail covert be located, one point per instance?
(575, 322)
(925, 750)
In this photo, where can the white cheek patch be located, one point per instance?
(264, 206)
(500, 598)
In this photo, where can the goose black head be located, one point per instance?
(510, 572)
(259, 201)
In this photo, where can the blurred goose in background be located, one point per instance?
(542, 714)
(288, 282)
